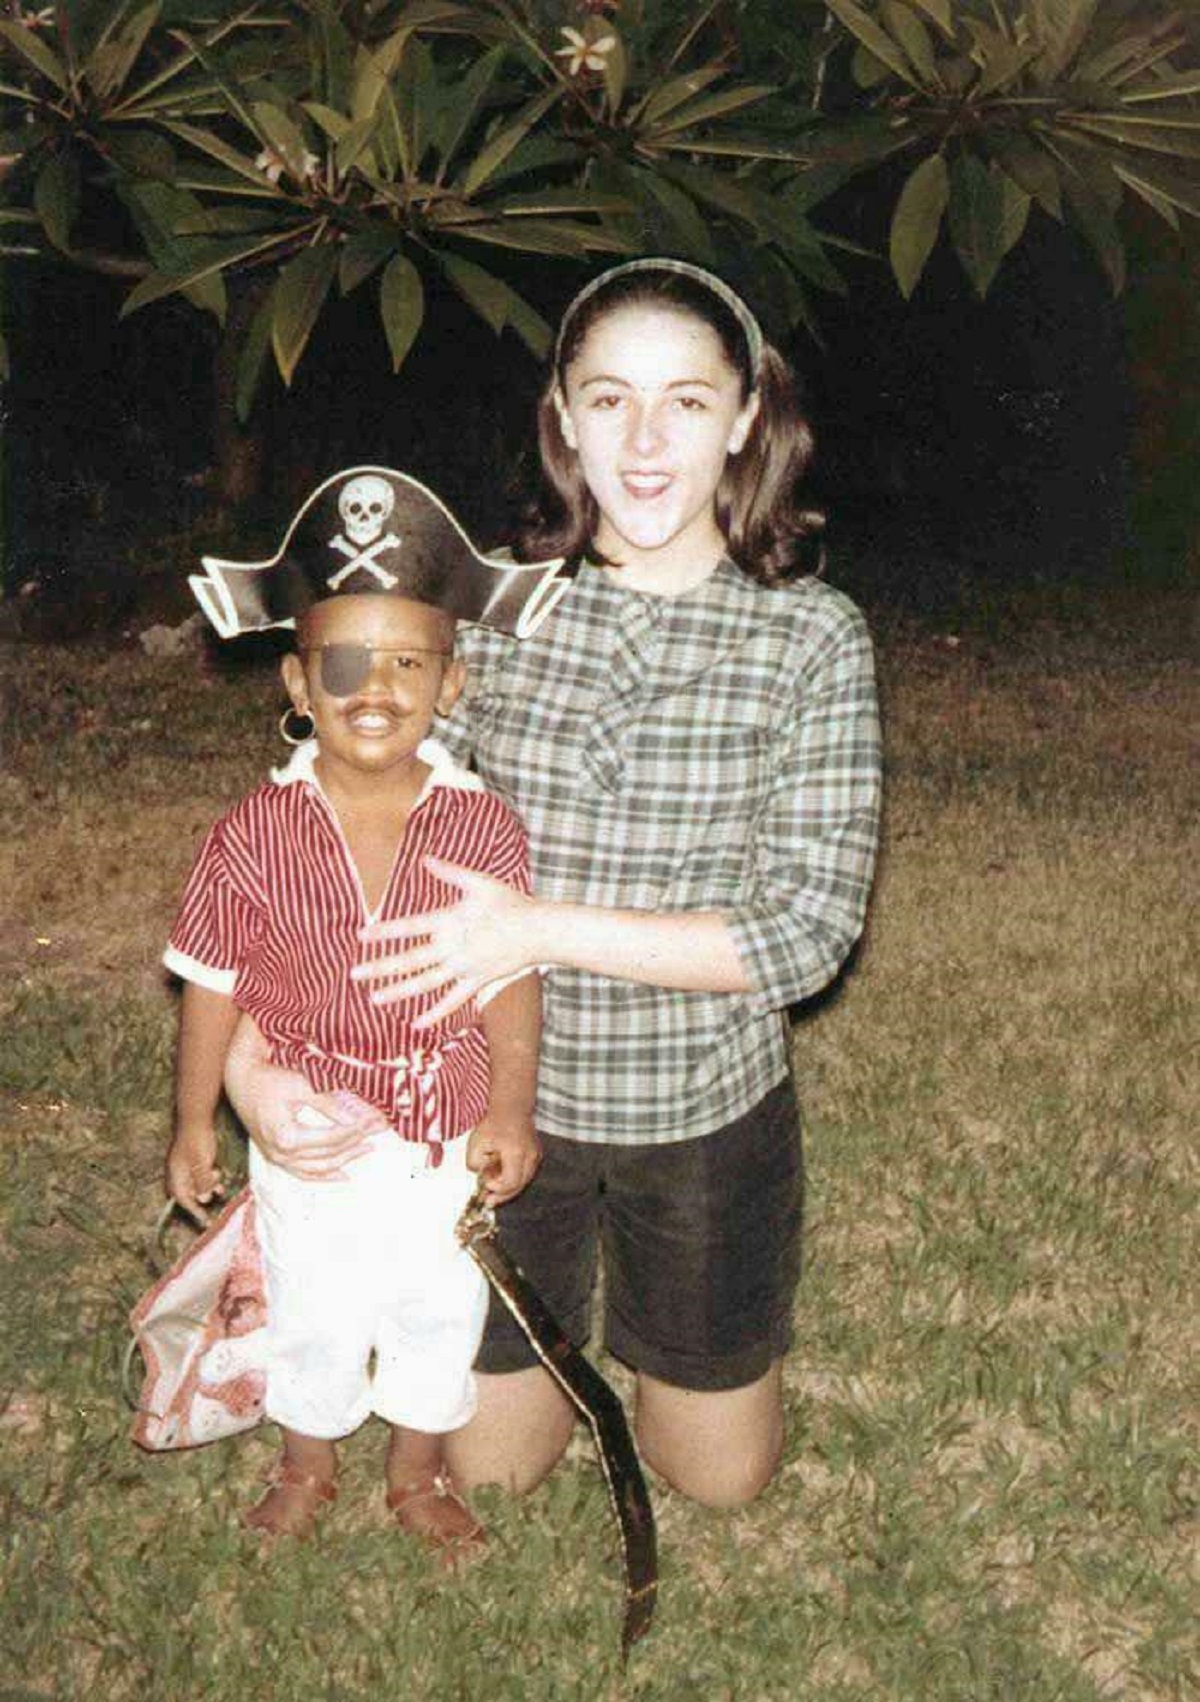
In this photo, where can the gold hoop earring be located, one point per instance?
(287, 730)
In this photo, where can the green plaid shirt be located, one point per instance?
(715, 751)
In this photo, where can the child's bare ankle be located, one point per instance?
(302, 1483)
(422, 1499)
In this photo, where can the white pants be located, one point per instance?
(373, 1306)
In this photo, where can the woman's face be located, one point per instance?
(653, 407)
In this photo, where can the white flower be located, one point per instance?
(582, 54)
(273, 165)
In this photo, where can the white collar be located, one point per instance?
(444, 771)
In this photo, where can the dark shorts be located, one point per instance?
(700, 1243)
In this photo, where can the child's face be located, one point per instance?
(372, 671)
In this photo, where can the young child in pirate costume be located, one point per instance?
(370, 1305)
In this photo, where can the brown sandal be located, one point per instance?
(271, 1515)
(431, 1508)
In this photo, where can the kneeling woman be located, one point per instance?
(691, 739)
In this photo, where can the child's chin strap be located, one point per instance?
(587, 1390)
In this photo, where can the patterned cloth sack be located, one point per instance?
(202, 1332)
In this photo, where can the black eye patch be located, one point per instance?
(344, 667)
(347, 667)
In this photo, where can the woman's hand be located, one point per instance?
(486, 936)
(311, 1135)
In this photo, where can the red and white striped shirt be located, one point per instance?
(271, 915)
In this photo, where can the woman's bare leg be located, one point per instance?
(721, 1447)
(518, 1434)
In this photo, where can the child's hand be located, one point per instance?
(506, 1153)
(192, 1177)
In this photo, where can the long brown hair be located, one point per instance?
(770, 535)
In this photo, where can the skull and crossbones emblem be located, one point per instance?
(365, 505)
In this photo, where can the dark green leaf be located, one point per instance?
(5, 367)
(413, 97)
(354, 143)
(1030, 166)
(1164, 88)
(28, 45)
(616, 74)
(495, 302)
(868, 71)
(336, 55)
(470, 96)
(299, 297)
(542, 236)
(941, 13)
(113, 60)
(1001, 67)
(333, 124)
(1062, 27)
(145, 153)
(874, 38)
(493, 154)
(208, 294)
(231, 221)
(530, 327)
(1088, 209)
(566, 200)
(56, 194)
(212, 145)
(535, 154)
(667, 96)
(720, 190)
(401, 306)
(284, 138)
(231, 89)
(691, 31)
(913, 37)
(917, 220)
(1150, 180)
(252, 358)
(713, 106)
(1180, 142)
(987, 215)
(215, 257)
(362, 253)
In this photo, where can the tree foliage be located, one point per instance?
(337, 145)
(1067, 105)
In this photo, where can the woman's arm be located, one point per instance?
(493, 932)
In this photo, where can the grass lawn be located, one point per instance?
(991, 1461)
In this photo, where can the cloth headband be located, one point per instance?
(750, 328)
(374, 530)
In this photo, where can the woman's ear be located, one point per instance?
(565, 423)
(294, 682)
(743, 423)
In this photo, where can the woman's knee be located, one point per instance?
(720, 1448)
(518, 1435)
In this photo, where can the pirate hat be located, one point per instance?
(372, 529)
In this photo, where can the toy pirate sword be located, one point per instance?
(593, 1398)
